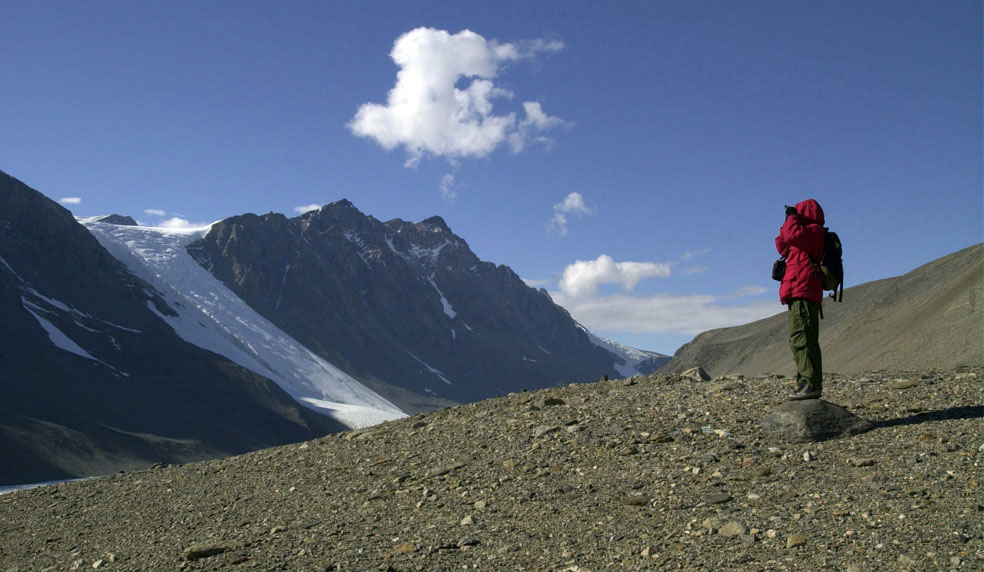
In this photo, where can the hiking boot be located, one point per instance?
(805, 390)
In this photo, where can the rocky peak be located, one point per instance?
(117, 219)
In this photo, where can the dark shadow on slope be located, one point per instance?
(963, 412)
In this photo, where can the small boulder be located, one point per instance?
(812, 420)
(696, 374)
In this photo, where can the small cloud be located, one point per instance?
(70, 201)
(155, 212)
(178, 222)
(558, 224)
(427, 113)
(537, 283)
(693, 270)
(745, 292)
(688, 255)
(582, 278)
(307, 208)
(449, 190)
(573, 203)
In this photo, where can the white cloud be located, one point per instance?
(693, 270)
(155, 212)
(536, 282)
(690, 254)
(428, 114)
(662, 314)
(558, 224)
(573, 203)
(449, 191)
(178, 222)
(71, 201)
(581, 279)
(307, 208)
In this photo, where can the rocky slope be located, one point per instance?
(92, 381)
(930, 317)
(657, 472)
(406, 308)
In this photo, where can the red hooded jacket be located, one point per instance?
(803, 236)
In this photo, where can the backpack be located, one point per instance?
(832, 266)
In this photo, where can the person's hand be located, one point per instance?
(790, 210)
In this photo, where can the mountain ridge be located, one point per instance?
(442, 324)
(92, 380)
(927, 318)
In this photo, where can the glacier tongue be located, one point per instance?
(212, 317)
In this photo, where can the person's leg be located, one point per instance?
(804, 329)
(813, 355)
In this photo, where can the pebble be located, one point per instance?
(718, 498)
(795, 540)
(733, 528)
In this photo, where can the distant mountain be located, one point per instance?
(405, 308)
(93, 380)
(116, 219)
(929, 318)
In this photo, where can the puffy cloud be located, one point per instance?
(581, 279)
(178, 222)
(155, 212)
(428, 114)
(572, 204)
(307, 208)
(71, 201)
(661, 313)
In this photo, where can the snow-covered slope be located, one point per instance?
(213, 317)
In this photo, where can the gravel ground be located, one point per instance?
(657, 473)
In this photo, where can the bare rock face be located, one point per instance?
(812, 420)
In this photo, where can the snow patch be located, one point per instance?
(56, 336)
(436, 372)
(632, 357)
(448, 310)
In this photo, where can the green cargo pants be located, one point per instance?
(804, 340)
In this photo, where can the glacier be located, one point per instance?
(214, 318)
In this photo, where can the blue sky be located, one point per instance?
(632, 158)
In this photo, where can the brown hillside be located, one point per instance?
(929, 318)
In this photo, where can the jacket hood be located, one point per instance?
(811, 211)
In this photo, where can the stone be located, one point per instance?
(467, 521)
(719, 498)
(551, 401)
(635, 500)
(795, 540)
(812, 420)
(199, 551)
(696, 374)
(733, 528)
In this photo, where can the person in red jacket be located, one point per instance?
(801, 240)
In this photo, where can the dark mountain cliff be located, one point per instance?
(928, 318)
(92, 381)
(406, 308)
